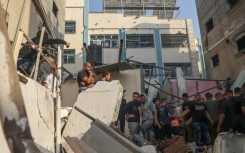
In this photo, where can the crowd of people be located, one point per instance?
(201, 120)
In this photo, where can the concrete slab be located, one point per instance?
(40, 111)
(102, 102)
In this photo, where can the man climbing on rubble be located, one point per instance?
(122, 113)
(188, 117)
(227, 115)
(200, 115)
(213, 108)
(149, 116)
(163, 115)
(133, 112)
(85, 77)
(28, 53)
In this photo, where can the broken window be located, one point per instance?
(209, 25)
(241, 44)
(149, 71)
(140, 41)
(185, 67)
(70, 27)
(215, 60)
(174, 40)
(106, 41)
(69, 56)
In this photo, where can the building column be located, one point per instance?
(85, 26)
(122, 37)
(158, 46)
(201, 57)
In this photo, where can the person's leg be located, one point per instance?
(204, 133)
(189, 130)
(168, 131)
(122, 124)
(197, 130)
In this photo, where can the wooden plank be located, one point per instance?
(38, 55)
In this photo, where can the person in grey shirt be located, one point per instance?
(213, 108)
(149, 114)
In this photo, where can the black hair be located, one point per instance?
(218, 94)
(237, 90)
(208, 95)
(185, 95)
(105, 73)
(136, 93)
(155, 100)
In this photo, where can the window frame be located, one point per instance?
(212, 61)
(72, 28)
(69, 55)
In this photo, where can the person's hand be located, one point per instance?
(218, 129)
(67, 45)
(32, 46)
(212, 123)
(156, 123)
(90, 72)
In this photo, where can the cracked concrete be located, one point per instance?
(40, 111)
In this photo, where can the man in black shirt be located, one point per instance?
(85, 78)
(188, 118)
(199, 118)
(237, 100)
(133, 113)
(227, 115)
(122, 113)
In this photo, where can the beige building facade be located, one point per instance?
(222, 24)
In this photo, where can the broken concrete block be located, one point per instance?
(102, 102)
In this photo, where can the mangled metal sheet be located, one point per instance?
(102, 102)
(229, 143)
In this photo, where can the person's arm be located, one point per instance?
(221, 116)
(89, 79)
(209, 118)
(140, 111)
(221, 120)
(185, 112)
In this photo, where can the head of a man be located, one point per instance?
(136, 96)
(87, 66)
(208, 96)
(185, 97)
(219, 97)
(156, 101)
(106, 75)
(198, 97)
(237, 91)
(229, 94)
(163, 101)
(142, 98)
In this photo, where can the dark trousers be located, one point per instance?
(212, 131)
(163, 132)
(122, 123)
(201, 132)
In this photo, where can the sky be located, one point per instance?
(187, 11)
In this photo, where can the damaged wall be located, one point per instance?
(40, 111)
(130, 80)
